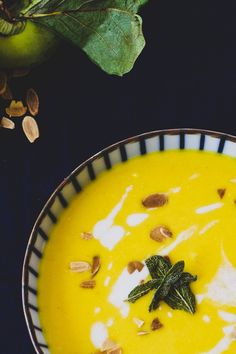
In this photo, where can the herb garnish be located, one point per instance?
(171, 283)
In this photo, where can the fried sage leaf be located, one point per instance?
(181, 298)
(108, 31)
(143, 289)
(158, 266)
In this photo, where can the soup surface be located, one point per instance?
(201, 214)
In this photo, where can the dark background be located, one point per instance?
(186, 77)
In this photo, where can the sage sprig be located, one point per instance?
(171, 284)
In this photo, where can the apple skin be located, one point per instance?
(28, 48)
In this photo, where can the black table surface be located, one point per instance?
(186, 77)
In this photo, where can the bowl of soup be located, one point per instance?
(135, 252)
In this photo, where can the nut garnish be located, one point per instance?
(86, 235)
(156, 324)
(134, 265)
(88, 284)
(143, 333)
(16, 109)
(155, 200)
(95, 265)
(138, 322)
(160, 233)
(221, 192)
(117, 350)
(3, 82)
(80, 266)
(7, 123)
(30, 128)
(32, 101)
(108, 344)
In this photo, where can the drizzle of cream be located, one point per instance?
(175, 190)
(208, 226)
(206, 318)
(126, 282)
(123, 286)
(200, 298)
(97, 310)
(194, 176)
(227, 316)
(169, 314)
(98, 334)
(207, 208)
(107, 281)
(136, 219)
(110, 322)
(222, 287)
(225, 342)
(233, 180)
(183, 236)
(105, 231)
(110, 266)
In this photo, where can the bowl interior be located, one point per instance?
(188, 139)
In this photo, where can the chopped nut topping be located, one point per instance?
(156, 324)
(160, 233)
(155, 200)
(86, 235)
(108, 344)
(7, 123)
(142, 281)
(80, 267)
(32, 101)
(16, 109)
(88, 284)
(221, 192)
(138, 322)
(96, 265)
(3, 82)
(30, 128)
(134, 265)
(143, 333)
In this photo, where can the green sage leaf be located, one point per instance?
(143, 289)
(181, 298)
(185, 279)
(158, 266)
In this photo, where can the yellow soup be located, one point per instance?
(200, 213)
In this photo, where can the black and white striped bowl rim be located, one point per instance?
(189, 139)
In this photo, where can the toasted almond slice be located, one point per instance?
(143, 333)
(155, 200)
(7, 123)
(32, 101)
(86, 236)
(138, 322)
(156, 324)
(16, 109)
(88, 284)
(3, 82)
(80, 266)
(221, 192)
(95, 265)
(30, 128)
(108, 344)
(7, 94)
(160, 233)
(134, 265)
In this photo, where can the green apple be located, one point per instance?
(32, 46)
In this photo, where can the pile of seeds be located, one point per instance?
(17, 109)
